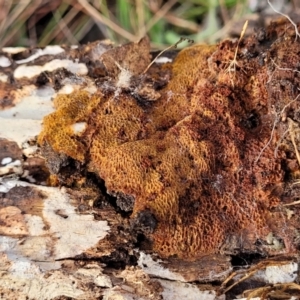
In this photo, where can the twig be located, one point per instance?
(279, 142)
(292, 203)
(284, 69)
(269, 141)
(292, 135)
(282, 111)
(286, 16)
(266, 291)
(281, 69)
(273, 129)
(249, 273)
(168, 48)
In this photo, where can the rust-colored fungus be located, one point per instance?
(205, 162)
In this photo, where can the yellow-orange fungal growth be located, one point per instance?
(58, 131)
(190, 158)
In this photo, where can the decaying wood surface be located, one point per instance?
(178, 181)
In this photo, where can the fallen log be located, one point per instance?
(122, 178)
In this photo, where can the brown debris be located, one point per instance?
(133, 57)
(10, 157)
(35, 170)
(9, 149)
(139, 283)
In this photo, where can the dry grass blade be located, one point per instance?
(100, 18)
(16, 12)
(22, 10)
(160, 14)
(5, 7)
(179, 22)
(141, 18)
(224, 11)
(234, 63)
(249, 273)
(63, 25)
(279, 289)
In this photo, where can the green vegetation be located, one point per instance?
(36, 22)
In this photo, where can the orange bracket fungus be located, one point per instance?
(204, 161)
